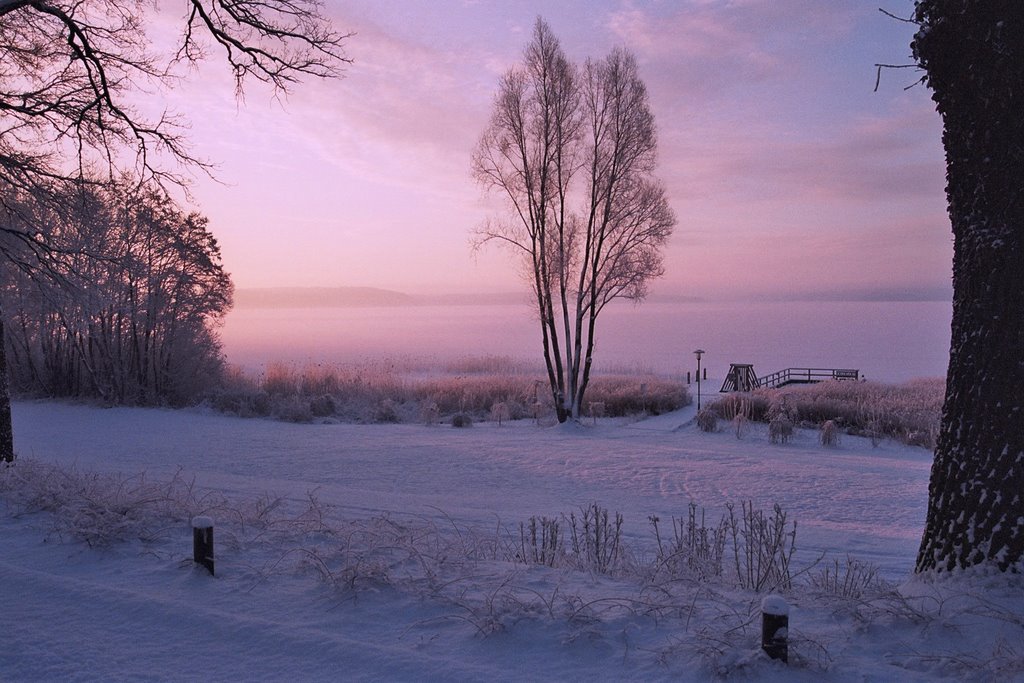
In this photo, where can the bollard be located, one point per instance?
(202, 542)
(687, 376)
(705, 374)
(775, 627)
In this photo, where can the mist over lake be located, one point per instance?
(888, 341)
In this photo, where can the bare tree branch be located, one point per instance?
(68, 71)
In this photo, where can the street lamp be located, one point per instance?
(698, 353)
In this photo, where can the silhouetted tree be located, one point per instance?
(573, 152)
(67, 70)
(972, 52)
(135, 325)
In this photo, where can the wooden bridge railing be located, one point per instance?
(805, 376)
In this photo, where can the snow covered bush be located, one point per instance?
(102, 509)
(358, 391)
(386, 412)
(852, 579)
(596, 540)
(322, 406)
(829, 434)
(762, 547)
(429, 414)
(279, 380)
(753, 406)
(740, 425)
(293, 409)
(694, 549)
(780, 429)
(907, 412)
(500, 412)
(635, 394)
(540, 542)
(461, 420)
(707, 420)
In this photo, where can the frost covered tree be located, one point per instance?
(972, 52)
(572, 151)
(132, 316)
(72, 73)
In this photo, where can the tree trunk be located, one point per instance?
(6, 428)
(972, 54)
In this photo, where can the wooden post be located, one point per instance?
(202, 542)
(775, 627)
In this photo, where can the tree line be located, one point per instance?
(124, 302)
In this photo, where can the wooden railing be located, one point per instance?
(805, 376)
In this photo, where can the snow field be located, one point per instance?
(383, 552)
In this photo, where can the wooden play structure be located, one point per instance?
(742, 377)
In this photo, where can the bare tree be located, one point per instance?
(136, 326)
(573, 152)
(973, 55)
(67, 71)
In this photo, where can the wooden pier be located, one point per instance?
(742, 377)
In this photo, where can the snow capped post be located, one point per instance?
(202, 542)
(775, 627)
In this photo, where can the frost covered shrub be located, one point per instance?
(853, 579)
(753, 405)
(228, 402)
(540, 542)
(491, 364)
(596, 539)
(100, 509)
(319, 380)
(829, 434)
(293, 409)
(477, 394)
(630, 395)
(261, 404)
(694, 549)
(500, 412)
(429, 413)
(908, 412)
(386, 412)
(780, 429)
(763, 546)
(461, 420)
(740, 425)
(707, 420)
(322, 406)
(358, 390)
(279, 380)
(779, 408)
(241, 403)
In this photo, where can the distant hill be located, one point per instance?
(349, 297)
(320, 297)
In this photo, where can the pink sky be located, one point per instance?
(786, 172)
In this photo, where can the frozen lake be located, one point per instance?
(886, 341)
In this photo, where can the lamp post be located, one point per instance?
(698, 353)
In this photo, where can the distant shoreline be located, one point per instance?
(365, 297)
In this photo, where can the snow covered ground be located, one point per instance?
(381, 552)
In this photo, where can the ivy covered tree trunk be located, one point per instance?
(972, 52)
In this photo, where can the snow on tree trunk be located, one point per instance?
(973, 56)
(6, 428)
